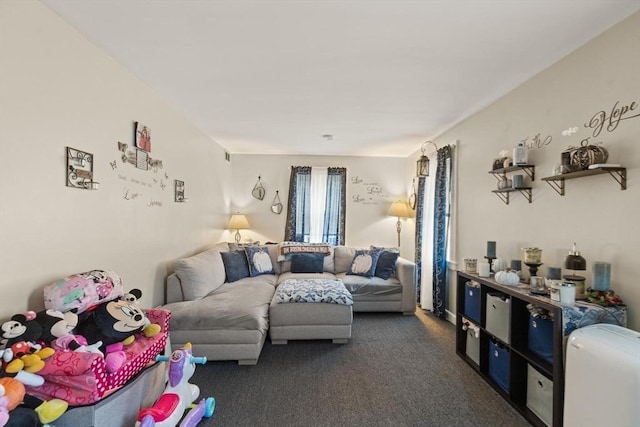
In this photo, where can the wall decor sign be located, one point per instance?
(367, 193)
(142, 137)
(618, 113)
(80, 170)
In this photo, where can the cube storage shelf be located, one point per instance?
(532, 382)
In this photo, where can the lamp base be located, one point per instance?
(238, 236)
(398, 229)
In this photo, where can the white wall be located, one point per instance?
(375, 181)
(595, 213)
(58, 90)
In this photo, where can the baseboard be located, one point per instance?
(451, 318)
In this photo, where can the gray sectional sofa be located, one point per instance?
(230, 320)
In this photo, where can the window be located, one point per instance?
(317, 204)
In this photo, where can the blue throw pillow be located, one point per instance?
(259, 260)
(235, 265)
(307, 263)
(386, 264)
(364, 262)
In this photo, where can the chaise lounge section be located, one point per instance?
(229, 319)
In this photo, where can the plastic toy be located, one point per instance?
(178, 395)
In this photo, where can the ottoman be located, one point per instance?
(311, 309)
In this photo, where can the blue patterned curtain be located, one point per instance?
(441, 230)
(336, 206)
(420, 210)
(297, 228)
(298, 204)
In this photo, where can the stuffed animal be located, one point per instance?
(27, 410)
(57, 330)
(22, 349)
(111, 323)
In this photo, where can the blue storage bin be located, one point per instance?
(499, 365)
(472, 302)
(541, 337)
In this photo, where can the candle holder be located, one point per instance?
(533, 269)
(490, 260)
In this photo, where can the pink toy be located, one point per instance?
(178, 395)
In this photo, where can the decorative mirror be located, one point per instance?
(258, 190)
(413, 196)
(276, 206)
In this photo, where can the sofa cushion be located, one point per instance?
(236, 306)
(235, 265)
(200, 274)
(364, 262)
(343, 258)
(386, 263)
(258, 260)
(307, 263)
(373, 286)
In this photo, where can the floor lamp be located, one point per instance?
(400, 209)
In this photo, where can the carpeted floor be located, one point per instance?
(395, 371)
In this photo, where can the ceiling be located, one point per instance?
(380, 76)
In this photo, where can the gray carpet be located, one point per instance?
(395, 371)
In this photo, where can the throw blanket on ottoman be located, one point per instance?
(313, 290)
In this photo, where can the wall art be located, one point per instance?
(80, 170)
(142, 137)
(258, 190)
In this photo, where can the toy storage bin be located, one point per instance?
(472, 301)
(473, 341)
(540, 395)
(540, 337)
(498, 315)
(499, 365)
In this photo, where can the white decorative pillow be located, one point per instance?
(259, 260)
(200, 274)
(364, 263)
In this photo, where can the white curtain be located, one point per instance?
(426, 285)
(317, 203)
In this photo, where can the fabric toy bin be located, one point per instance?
(473, 341)
(81, 378)
(540, 395)
(498, 315)
(499, 365)
(472, 301)
(540, 337)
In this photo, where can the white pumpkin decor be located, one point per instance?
(499, 265)
(507, 277)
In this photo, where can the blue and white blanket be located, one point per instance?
(313, 290)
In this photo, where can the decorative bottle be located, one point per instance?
(520, 155)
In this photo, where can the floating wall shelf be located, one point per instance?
(618, 173)
(501, 173)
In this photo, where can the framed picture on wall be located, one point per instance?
(142, 137)
(142, 160)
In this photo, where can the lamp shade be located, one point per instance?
(238, 222)
(401, 209)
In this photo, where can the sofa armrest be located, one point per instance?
(174, 289)
(406, 274)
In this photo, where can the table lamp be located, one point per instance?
(238, 222)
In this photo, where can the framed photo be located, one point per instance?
(143, 137)
(142, 160)
(179, 191)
